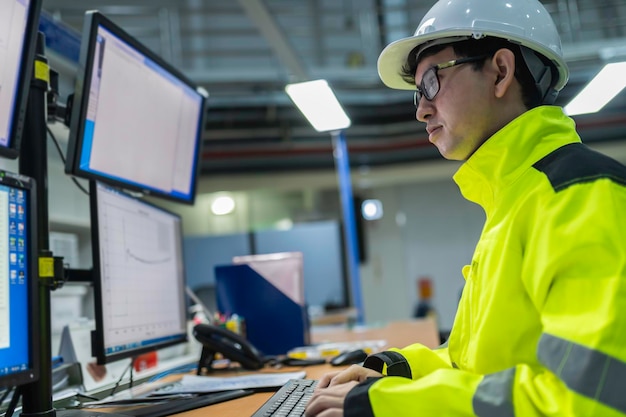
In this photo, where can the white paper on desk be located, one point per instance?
(198, 384)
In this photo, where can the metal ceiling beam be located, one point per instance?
(258, 13)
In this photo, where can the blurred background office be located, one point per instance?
(263, 168)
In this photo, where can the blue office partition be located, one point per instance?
(274, 322)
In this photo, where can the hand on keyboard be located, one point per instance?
(290, 400)
(336, 386)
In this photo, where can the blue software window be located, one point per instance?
(14, 290)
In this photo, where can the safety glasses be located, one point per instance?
(429, 87)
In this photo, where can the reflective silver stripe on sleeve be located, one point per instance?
(494, 395)
(586, 371)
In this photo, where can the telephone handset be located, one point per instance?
(216, 339)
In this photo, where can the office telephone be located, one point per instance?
(232, 346)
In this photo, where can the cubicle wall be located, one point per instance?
(203, 253)
(320, 243)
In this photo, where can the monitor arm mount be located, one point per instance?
(56, 110)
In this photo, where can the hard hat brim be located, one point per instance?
(394, 56)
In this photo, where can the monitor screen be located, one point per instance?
(136, 121)
(19, 306)
(139, 281)
(18, 28)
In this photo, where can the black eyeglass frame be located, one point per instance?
(433, 78)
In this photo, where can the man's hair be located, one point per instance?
(475, 47)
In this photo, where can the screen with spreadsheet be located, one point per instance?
(18, 27)
(19, 339)
(139, 281)
(136, 121)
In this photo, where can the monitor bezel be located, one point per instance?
(25, 71)
(98, 337)
(32, 373)
(93, 20)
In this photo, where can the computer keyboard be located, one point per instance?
(290, 400)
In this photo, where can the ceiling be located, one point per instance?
(245, 51)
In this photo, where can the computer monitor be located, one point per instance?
(138, 274)
(19, 21)
(136, 121)
(19, 302)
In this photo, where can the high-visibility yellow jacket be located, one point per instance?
(541, 325)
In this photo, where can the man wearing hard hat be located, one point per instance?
(541, 325)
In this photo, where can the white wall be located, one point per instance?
(428, 230)
(384, 275)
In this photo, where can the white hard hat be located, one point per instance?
(524, 22)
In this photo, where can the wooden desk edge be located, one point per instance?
(246, 406)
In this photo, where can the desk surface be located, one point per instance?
(246, 406)
(398, 334)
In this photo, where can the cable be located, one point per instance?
(89, 397)
(56, 144)
(182, 369)
(119, 381)
(132, 373)
(5, 394)
(16, 396)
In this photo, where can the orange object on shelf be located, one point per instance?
(145, 361)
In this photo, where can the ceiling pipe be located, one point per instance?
(257, 12)
(586, 126)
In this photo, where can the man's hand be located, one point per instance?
(353, 373)
(328, 402)
(332, 388)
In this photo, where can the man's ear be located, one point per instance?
(503, 64)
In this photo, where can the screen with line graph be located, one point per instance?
(139, 281)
